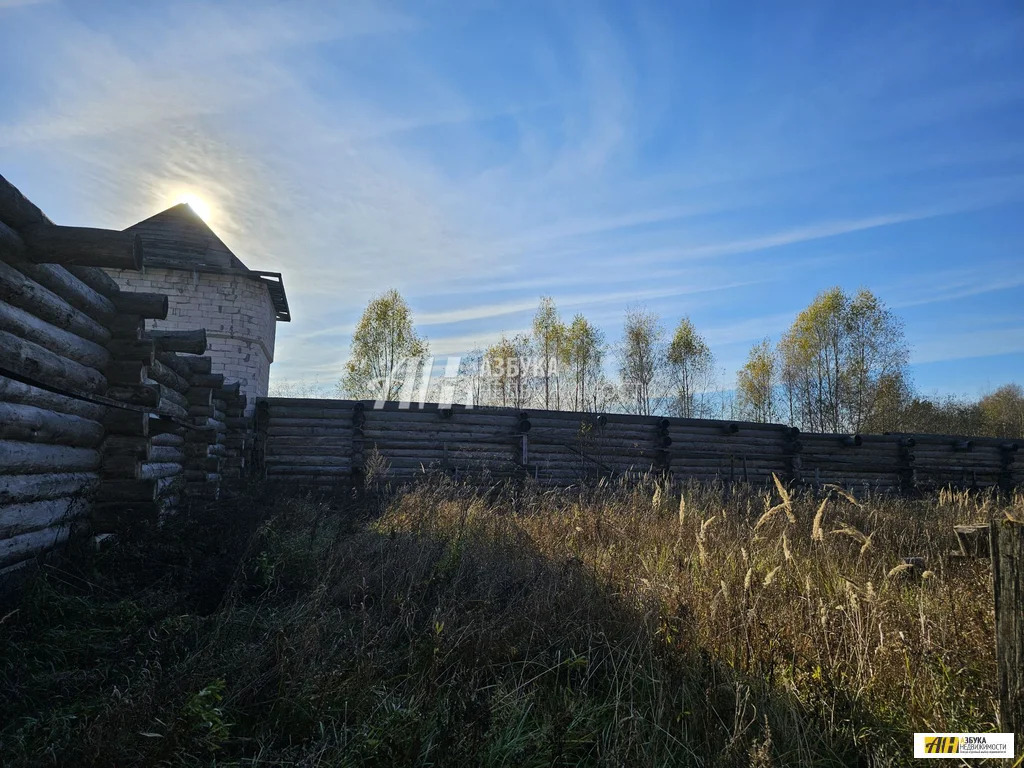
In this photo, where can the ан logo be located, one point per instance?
(958, 746)
(934, 745)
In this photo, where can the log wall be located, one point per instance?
(101, 423)
(327, 442)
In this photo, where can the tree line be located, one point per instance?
(842, 366)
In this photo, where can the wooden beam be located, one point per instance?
(1007, 545)
(16, 210)
(165, 375)
(20, 458)
(212, 380)
(18, 548)
(38, 363)
(21, 488)
(25, 293)
(58, 279)
(189, 342)
(152, 306)
(96, 279)
(38, 425)
(83, 246)
(12, 391)
(128, 349)
(54, 338)
(198, 364)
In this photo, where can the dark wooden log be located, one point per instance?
(120, 467)
(176, 363)
(37, 425)
(169, 407)
(21, 458)
(21, 488)
(163, 426)
(151, 306)
(64, 343)
(16, 210)
(1007, 546)
(168, 438)
(204, 435)
(143, 395)
(35, 362)
(170, 396)
(201, 365)
(12, 391)
(973, 540)
(126, 373)
(190, 342)
(83, 246)
(127, 327)
(96, 279)
(68, 287)
(123, 445)
(167, 454)
(32, 544)
(229, 390)
(131, 423)
(162, 374)
(157, 471)
(200, 396)
(131, 349)
(25, 293)
(211, 380)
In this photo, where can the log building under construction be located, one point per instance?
(209, 287)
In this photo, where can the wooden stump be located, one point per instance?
(1007, 544)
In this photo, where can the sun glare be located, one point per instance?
(197, 204)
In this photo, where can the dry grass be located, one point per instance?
(620, 625)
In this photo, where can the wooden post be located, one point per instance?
(1007, 545)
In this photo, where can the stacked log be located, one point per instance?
(874, 462)
(308, 441)
(132, 490)
(327, 441)
(237, 440)
(463, 443)
(204, 442)
(53, 358)
(950, 460)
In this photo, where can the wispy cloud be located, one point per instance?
(988, 342)
(611, 156)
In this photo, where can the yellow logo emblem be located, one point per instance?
(944, 745)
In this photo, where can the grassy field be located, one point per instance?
(618, 626)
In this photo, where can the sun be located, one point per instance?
(197, 204)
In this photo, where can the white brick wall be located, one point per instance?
(235, 311)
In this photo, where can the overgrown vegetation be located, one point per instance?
(619, 625)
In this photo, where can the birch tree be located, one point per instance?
(641, 362)
(548, 339)
(690, 367)
(387, 354)
(583, 355)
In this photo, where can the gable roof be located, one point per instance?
(178, 238)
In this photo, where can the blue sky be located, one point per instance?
(722, 160)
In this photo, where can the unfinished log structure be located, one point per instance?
(210, 287)
(334, 441)
(102, 423)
